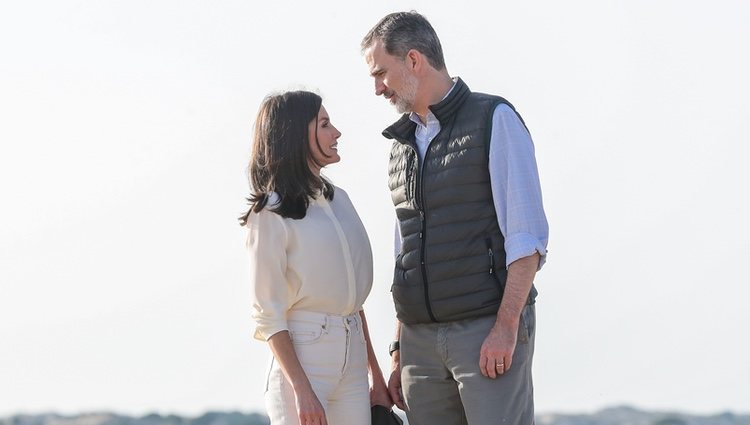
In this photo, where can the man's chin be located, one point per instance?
(402, 109)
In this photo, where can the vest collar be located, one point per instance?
(403, 129)
(447, 107)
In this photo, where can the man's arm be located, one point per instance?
(394, 382)
(517, 196)
(497, 350)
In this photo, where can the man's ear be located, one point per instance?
(414, 60)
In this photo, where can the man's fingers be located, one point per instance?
(487, 367)
(500, 366)
(395, 396)
(394, 389)
(400, 403)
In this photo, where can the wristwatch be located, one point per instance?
(393, 347)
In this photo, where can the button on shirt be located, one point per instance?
(514, 179)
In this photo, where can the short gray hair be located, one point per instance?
(403, 31)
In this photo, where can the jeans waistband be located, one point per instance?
(326, 319)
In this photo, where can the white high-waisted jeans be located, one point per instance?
(333, 353)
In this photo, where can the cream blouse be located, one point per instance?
(321, 263)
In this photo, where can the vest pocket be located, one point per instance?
(399, 274)
(492, 269)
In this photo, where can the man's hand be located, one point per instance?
(496, 355)
(394, 382)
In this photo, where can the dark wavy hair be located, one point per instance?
(280, 159)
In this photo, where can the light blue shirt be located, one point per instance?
(514, 179)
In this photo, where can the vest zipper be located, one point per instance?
(492, 261)
(422, 232)
(421, 207)
(491, 256)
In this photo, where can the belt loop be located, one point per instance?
(348, 322)
(357, 324)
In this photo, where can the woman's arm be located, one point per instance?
(378, 388)
(309, 409)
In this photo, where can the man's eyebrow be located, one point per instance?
(376, 71)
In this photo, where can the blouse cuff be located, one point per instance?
(264, 333)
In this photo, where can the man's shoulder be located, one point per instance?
(489, 99)
(495, 105)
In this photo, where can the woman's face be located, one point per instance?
(327, 138)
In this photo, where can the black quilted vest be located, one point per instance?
(452, 260)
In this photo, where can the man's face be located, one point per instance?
(393, 77)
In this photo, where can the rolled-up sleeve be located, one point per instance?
(516, 190)
(266, 245)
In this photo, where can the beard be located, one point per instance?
(405, 99)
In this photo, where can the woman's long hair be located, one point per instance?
(280, 159)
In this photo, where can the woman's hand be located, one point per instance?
(309, 409)
(378, 388)
(379, 393)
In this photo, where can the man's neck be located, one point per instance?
(435, 90)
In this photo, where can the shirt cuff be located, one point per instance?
(522, 245)
(267, 330)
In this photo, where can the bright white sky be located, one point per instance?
(124, 135)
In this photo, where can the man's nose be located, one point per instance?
(379, 88)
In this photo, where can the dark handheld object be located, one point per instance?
(381, 415)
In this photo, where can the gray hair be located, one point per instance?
(403, 31)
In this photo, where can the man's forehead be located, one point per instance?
(375, 55)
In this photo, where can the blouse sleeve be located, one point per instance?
(266, 244)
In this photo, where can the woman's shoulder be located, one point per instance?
(266, 216)
(338, 189)
(340, 194)
(342, 199)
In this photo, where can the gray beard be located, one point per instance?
(405, 102)
(403, 106)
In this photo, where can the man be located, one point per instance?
(471, 235)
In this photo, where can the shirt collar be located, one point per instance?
(431, 118)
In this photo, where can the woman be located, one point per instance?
(311, 270)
